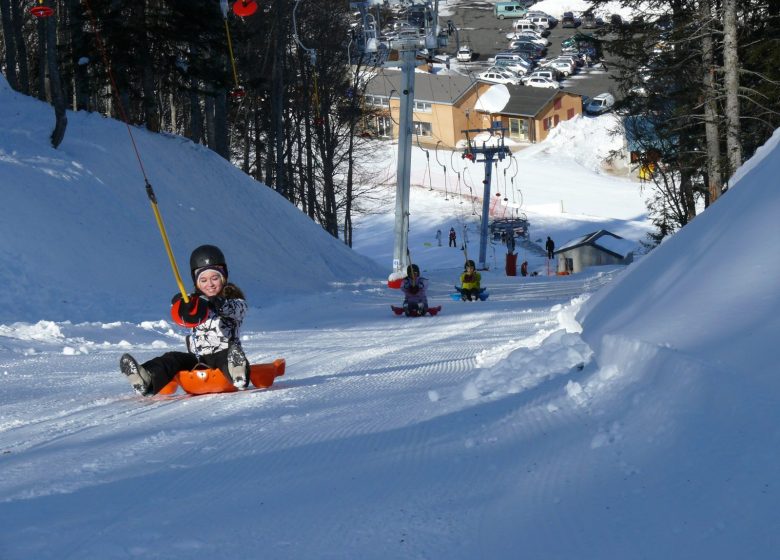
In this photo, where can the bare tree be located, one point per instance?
(731, 85)
(710, 90)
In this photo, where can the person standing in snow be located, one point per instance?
(524, 269)
(453, 237)
(215, 311)
(470, 282)
(415, 288)
(438, 236)
(550, 246)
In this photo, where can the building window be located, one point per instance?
(422, 106)
(518, 129)
(556, 120)
(547, 123)
(378, 101)
(423, 128)
(557, 103)
(570, 114)
(384, 127)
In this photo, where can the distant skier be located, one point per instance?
(438, 236)
(470, 282)
(550, 246)
(453, 238)
(415, 288)
(215, 311)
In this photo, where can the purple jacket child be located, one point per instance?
(415, 291)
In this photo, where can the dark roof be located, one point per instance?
(436, 88)
(529, 101)
(604, 240)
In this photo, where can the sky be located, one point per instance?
(623, 412)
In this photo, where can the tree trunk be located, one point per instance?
(10, 44)
(278, 99)
(221, 140)
(210, 127)
(81, 62)
(711, 128)
(55, 83)
(41, 24)
(731, 85)
(17, 17)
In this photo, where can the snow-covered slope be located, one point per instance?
(80, 240)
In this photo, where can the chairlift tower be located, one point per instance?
(497, 150)
(407, 48)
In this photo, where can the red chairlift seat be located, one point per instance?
(244, 8)
(41, 11)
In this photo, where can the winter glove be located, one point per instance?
(192, 313)
(468, 278)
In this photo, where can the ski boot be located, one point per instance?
(137, 375)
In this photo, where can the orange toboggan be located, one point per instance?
(205, 381)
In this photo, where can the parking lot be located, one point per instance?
(486, 35)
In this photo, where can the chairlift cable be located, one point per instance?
(444, 167)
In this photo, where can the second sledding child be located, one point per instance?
(215, 311)
(470, 282)
(415, 292)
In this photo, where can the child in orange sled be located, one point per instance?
(215, 312)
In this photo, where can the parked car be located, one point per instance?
(527, 25)
(518, 67)
(464, 54)
(514, 35)
(544, 72)
(542, 83)
(498, 77)
(542, 21)
(602, 103)
(507, 56)
(568, 20)
(589, 21)
(564, 67)
(528, 49)
(522, 40)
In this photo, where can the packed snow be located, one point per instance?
(624, 412)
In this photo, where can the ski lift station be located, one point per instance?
(594, 249)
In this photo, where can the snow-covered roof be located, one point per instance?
(603, 240)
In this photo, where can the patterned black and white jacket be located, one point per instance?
(220, 329)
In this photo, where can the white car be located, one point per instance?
(542, 21)
(561, 66)
(602, 103)
(498, 77)
(521, 69)
(542, 83)
(464, 54)
(519, 40)
(543, 72)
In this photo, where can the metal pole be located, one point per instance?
(483, 236)
(408, 55)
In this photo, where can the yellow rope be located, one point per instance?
(232, 58)
(168, 250)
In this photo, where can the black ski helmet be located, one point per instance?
(413, 269)
(207, 255)
(469, 263)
